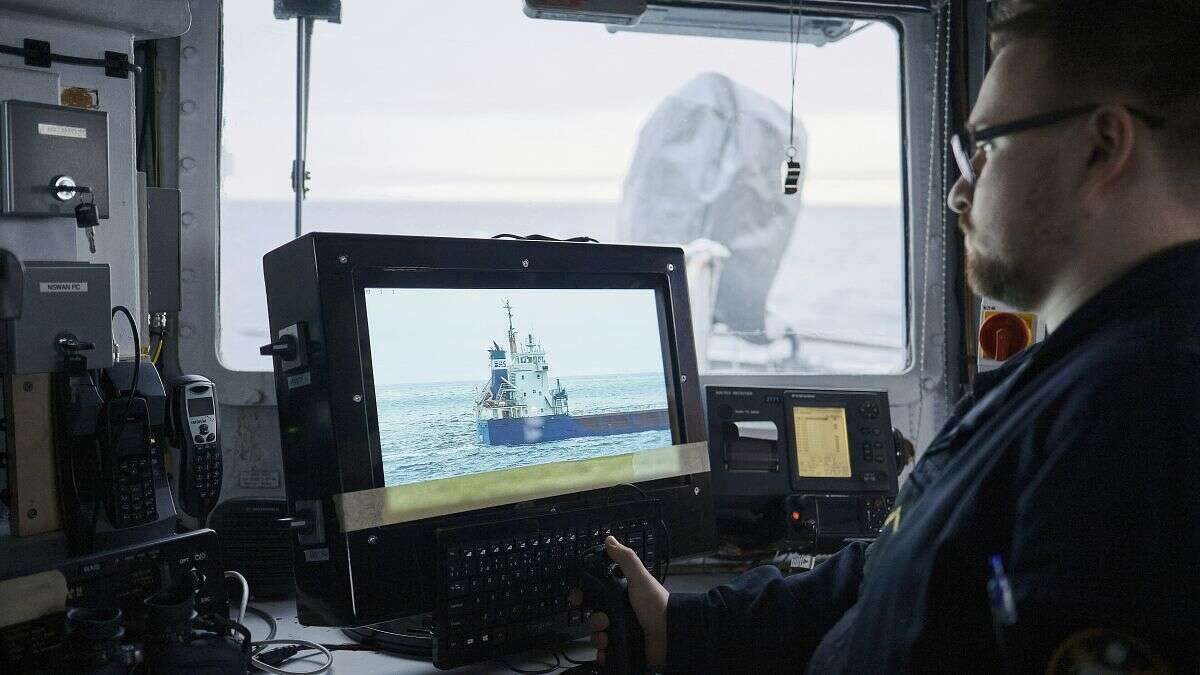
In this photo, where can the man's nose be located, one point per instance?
(959, 200)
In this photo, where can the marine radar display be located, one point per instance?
(571, 374)
(518, 405)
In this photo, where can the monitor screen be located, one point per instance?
(198, 407)
(472, 380)
(822, 442)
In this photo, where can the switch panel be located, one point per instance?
(59, 298)
(43, 146)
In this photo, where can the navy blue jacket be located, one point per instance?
(1076, 462)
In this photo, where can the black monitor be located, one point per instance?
(427, 383)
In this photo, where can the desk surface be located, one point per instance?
(375, 663)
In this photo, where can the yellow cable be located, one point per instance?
(158, 352)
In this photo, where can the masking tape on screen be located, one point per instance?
(366, 509)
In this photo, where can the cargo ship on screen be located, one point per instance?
(519, 406)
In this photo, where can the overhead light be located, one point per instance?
(735, 23)
(611, 12)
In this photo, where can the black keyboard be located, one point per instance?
(503, 586)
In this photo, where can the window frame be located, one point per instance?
(920, 394)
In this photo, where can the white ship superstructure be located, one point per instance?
(520, 382)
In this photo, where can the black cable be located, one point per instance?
(562, 649)
(661, 523)
(272, 624)
(137, 347)
(640, 491)
(542, 237)
(544, 671)
(225, 624)
(147, 104)
(74, 60)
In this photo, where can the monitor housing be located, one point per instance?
(329, 427)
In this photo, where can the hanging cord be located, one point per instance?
(795, 18)
(230, 574)
(272, 624)
(270, 660)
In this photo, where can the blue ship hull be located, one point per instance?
(538, 429)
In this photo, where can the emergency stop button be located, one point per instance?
(1004, 334)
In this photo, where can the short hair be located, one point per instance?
(1147, 50)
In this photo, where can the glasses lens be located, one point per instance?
(962, 159)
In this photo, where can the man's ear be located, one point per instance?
(1112, 135)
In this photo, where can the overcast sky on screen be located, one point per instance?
(443, 335)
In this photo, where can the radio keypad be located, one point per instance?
(135, 498)
(206, 471)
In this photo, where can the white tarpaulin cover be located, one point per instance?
(707, 167)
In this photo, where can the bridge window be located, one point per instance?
(466, 118)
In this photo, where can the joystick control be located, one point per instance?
(605, 589)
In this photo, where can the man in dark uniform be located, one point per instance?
(1053, 525)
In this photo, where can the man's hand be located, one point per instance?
(649, 600)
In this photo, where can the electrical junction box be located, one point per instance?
(43, 145)
(162, 242)
(59, 298)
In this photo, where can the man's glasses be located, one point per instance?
(967, 142)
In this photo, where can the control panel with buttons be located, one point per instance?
(774, 442)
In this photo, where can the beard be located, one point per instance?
(1005, 281)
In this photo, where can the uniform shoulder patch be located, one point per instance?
(1101, 650)
(892, 520)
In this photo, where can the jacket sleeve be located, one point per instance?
(762, 621)
(1105, 544)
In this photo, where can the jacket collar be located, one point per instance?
(1167, 279)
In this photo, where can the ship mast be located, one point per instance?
(512, 333)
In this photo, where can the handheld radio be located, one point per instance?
(198, 437)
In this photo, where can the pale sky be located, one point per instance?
(466, 100)
(583, 331)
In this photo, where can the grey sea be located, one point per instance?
(841, 281)
(428, 431)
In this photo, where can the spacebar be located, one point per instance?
(542, 624)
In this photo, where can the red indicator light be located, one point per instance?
(795, 515)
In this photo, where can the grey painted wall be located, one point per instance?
(86, 29)
(58, 238)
